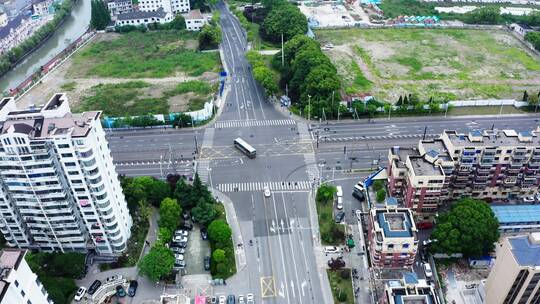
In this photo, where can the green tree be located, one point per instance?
(378, 184)
(178, 23)
(325, 193)
(525, 96)
(532, 100)
(164, 235)
(484, 15)
(204, 212)
(182, 192)
(169, 214)
(286, 20)
(219, 256)
(157, 263)
(199, 190)
(148, 188)
(100, 16)
(209, 37)
(266, 77)
(381, 195)
(470, 228)
(219, 232)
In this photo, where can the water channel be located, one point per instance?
(74, 26)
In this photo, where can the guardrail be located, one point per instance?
(106, 290)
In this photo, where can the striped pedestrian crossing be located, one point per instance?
(311, 166)
(357, 138)
(259, 186)
(303, 130)
(253, 123)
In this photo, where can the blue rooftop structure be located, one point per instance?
(508, 214)
(395, 224)
(525, 252)
(392, 201)
(432, 153)
(476, 133)
(410, 278)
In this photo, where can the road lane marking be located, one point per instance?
(268, 287)
(259, 186)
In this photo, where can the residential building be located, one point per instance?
(117, 7)
(143, 17)
(392, 237)
(169, 6)
(14, 8)
(521, 28)
(3, 18)
(16, 31)
(42, 7)
(517, 219)
(410, 289)
(515, 277)
(18, 284)
(495, 165)
(195, 20)
(59, 190)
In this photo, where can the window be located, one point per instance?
(16, 283)
(23, 293)
(405, 246)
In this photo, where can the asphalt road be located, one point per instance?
(290, 157)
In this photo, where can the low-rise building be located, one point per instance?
(392, 237)
(195, 20)
(42, 7)
(16, 31)
(409, 290)
(143, 17)
(515, 277)
(18, 284)
(117, 7)
(3, 18)
(521, 28)
(517, 219)
(169, 6)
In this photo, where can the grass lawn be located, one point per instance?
(139, 98)
(488, 110)
(153, 54)
(341, 286)
(330, 231)
(449, 64)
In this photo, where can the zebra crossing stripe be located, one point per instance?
(259, 186)
(253, 123)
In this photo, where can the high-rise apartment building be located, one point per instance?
(392, 237)
(515, 277)
(59, 190)
(18, 284)
(169, 6)
(494, 165)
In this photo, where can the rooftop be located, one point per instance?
(159, 13)
(402, 154)
(421, 166)
(495, 138)
(11, 258)
(395, 223)
(526, 249)
(12, 25)
(194, 14)
(516, 213)
(436, 149)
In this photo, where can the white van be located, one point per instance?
(339, 205)
(339, 191)
(427, 270)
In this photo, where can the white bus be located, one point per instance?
(246, 148)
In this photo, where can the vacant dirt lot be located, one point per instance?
(446, 64)
(78, 78)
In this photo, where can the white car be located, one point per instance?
(427, 270)
(221, 299)
(339, 191)
(331, 249)
(329, 46)
(250, 299)
(179, 257)
(529, 199)
(180, 239)
(339, 204)
(80, 294)
(241, 299)
(114, 278)
(267, 192)
(181, 233)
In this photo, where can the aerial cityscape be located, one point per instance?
(269, 151)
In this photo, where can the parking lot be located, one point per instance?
(196, 250)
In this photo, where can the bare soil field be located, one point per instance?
(446, 64)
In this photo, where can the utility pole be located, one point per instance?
(389, 111)
(446, 110)
(500, 111)
(317, 138)
(282, 52)
(196, 145)
(425, 130)
(309, 108)
(333, 101)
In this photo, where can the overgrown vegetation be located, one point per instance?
(210, 34)
(331, 233)
(154, 54)
(57, 272)
(263, 74)
(100, 15)
(341, 285)
(11, 57)
(283, 18)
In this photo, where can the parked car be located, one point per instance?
(94, 287)
(187, 226)
(185, 215)
(339, 191)
(266, 191)
(529, 199)
(424, 225)
(204, 233)
(250, 298)
(181, 233)
(339, 217)
(231, 299)
(222, 299)
(178, 250)
(80, 294)
(241, 299)
(180, 263)
(358, 192)
(132, 289)
(180, 239)
(427, 270)
(213, 300)
(339, 204)
(114, 278)
(179, 257)
(331, 249)
(207, 263)
(120, 291)
(427, 242)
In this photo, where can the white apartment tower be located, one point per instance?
(59, 190)
(169, 6)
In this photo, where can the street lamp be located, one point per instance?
(210, 176)
(309, 107)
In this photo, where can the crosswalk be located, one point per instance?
(208, 137)
(356, 138)
(303, 130)
(311, 166)
(153, 162)
(202, 169)
(259, 186)
(253, 123)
